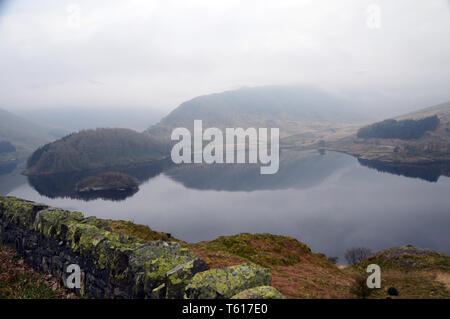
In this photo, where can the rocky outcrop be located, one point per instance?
(227, 282)
(114, 265)
(408, 257)
(263, 292)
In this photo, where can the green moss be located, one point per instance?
(227, 282)
(159, 292)
(263, 249)
(92, 238)
(153, 260)
(263, 292)
(19, 211)
(131, 229)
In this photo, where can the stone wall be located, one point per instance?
(113, 265)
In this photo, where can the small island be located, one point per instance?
(111, 181)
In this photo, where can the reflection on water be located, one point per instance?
(331, 202)
(297, 170)
(63, 185)
(8, 167)
(428, 172)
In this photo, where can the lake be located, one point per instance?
(329, 201)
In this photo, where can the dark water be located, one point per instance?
(331, 202)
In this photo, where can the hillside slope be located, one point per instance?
(22, 137)
(413, 272)
(297, 272)
(432, 147)
(94, 149)
(303, 111)
(21, 133)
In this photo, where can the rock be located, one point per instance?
(159, 292)
(152, 261)
(227, 282)
(179, 277)
(115, 265)
(263, 292)
(409, 257)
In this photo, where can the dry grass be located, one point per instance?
(296, 271)
(299, 273)
(20, 281)
(444, 278)
(411, 284)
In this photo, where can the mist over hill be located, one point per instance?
(292, 109)
(18, 139)
(23, 134)
(75, 118)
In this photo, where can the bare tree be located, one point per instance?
(356, 254)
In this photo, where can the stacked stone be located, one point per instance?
(114, 265)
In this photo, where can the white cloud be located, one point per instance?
(160, 53)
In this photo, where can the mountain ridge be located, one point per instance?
(295, 110)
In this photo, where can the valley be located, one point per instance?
(115, 173)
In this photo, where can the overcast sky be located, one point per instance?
(145, 53)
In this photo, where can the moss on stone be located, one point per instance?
(159, 292)
(262, 292)
(156, 268)
(179, 277)
(227, 282)
(91, 238)
(19, 211)
(263, 249)
(153, 260)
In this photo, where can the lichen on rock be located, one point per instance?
(179, 277)
(226, 282)
(114, 264)
(153, 260)
(263, 292)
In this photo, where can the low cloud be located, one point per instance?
(112, 53)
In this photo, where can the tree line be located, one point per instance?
(404, 129)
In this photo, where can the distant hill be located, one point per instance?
(21, 133)
(94, 149)
(304, 111)
(6, 147)
(76, 118)
(432, 145)
(18, 139)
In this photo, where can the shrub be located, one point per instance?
(392, 291)
(359, 288)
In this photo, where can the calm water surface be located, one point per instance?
(331, 202)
